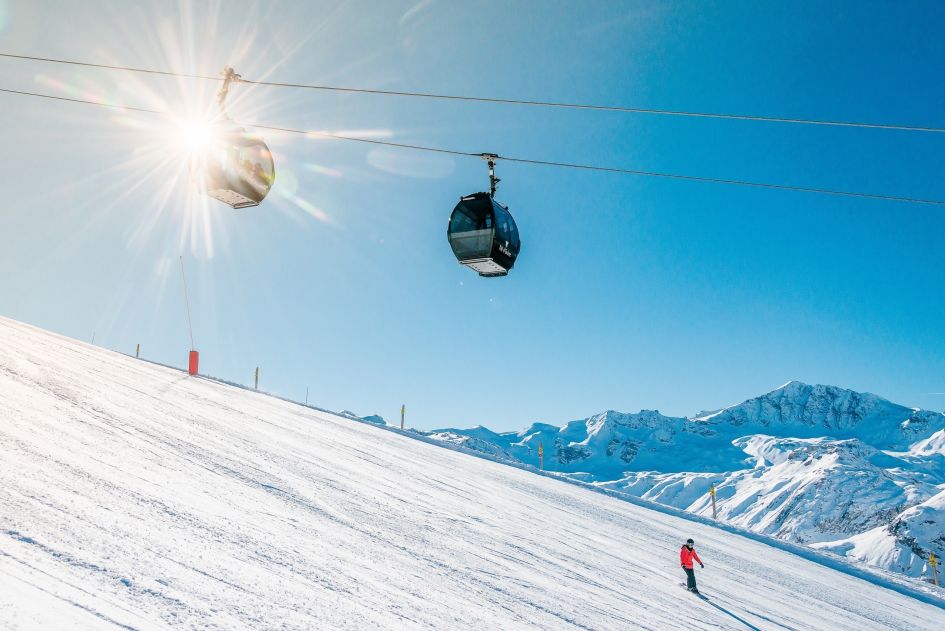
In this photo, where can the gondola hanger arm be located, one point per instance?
(229, 76)
(493, 180)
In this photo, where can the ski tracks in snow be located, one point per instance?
(133, 497)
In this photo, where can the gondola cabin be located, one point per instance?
(483, 235)
(239, 169)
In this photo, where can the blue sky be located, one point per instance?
(630, 292)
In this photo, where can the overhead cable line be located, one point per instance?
(163, 73)
(525, 102)
(567, 165)
(86, 102)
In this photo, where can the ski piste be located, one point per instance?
(743, 624)
(261, 512)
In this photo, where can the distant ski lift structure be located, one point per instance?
(482, 232)
(239, 170)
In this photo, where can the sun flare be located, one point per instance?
(195, 136)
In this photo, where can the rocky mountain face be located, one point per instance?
(904, 543)
(842, 470)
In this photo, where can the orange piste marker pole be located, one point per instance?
(712, 493)
(541, 457)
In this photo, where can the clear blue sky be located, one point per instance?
(629, 293)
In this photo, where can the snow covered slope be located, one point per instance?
(133, 496)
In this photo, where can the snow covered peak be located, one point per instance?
(803, 410)
(801, 392)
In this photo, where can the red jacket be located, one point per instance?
(686, 556)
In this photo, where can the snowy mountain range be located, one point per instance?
(846, 471)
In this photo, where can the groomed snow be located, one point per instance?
(134, 496)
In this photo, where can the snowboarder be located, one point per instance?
(686, 556)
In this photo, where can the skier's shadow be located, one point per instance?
(727, 612)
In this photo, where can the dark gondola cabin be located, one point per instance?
(239, 170)
(483, 235)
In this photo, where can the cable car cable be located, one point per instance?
(609, 108)
(163, 73)
(480, 99)
(588, 167)
(567, 165)
(72, 100)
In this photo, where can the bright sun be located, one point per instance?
(195, 136)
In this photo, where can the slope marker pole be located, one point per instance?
(194, 358)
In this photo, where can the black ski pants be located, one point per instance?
(690, 577)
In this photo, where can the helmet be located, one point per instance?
(689, 542)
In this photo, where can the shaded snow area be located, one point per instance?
(836, 469)
(136, 497)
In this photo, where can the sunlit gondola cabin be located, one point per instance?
(239, 170)
(483, 235)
